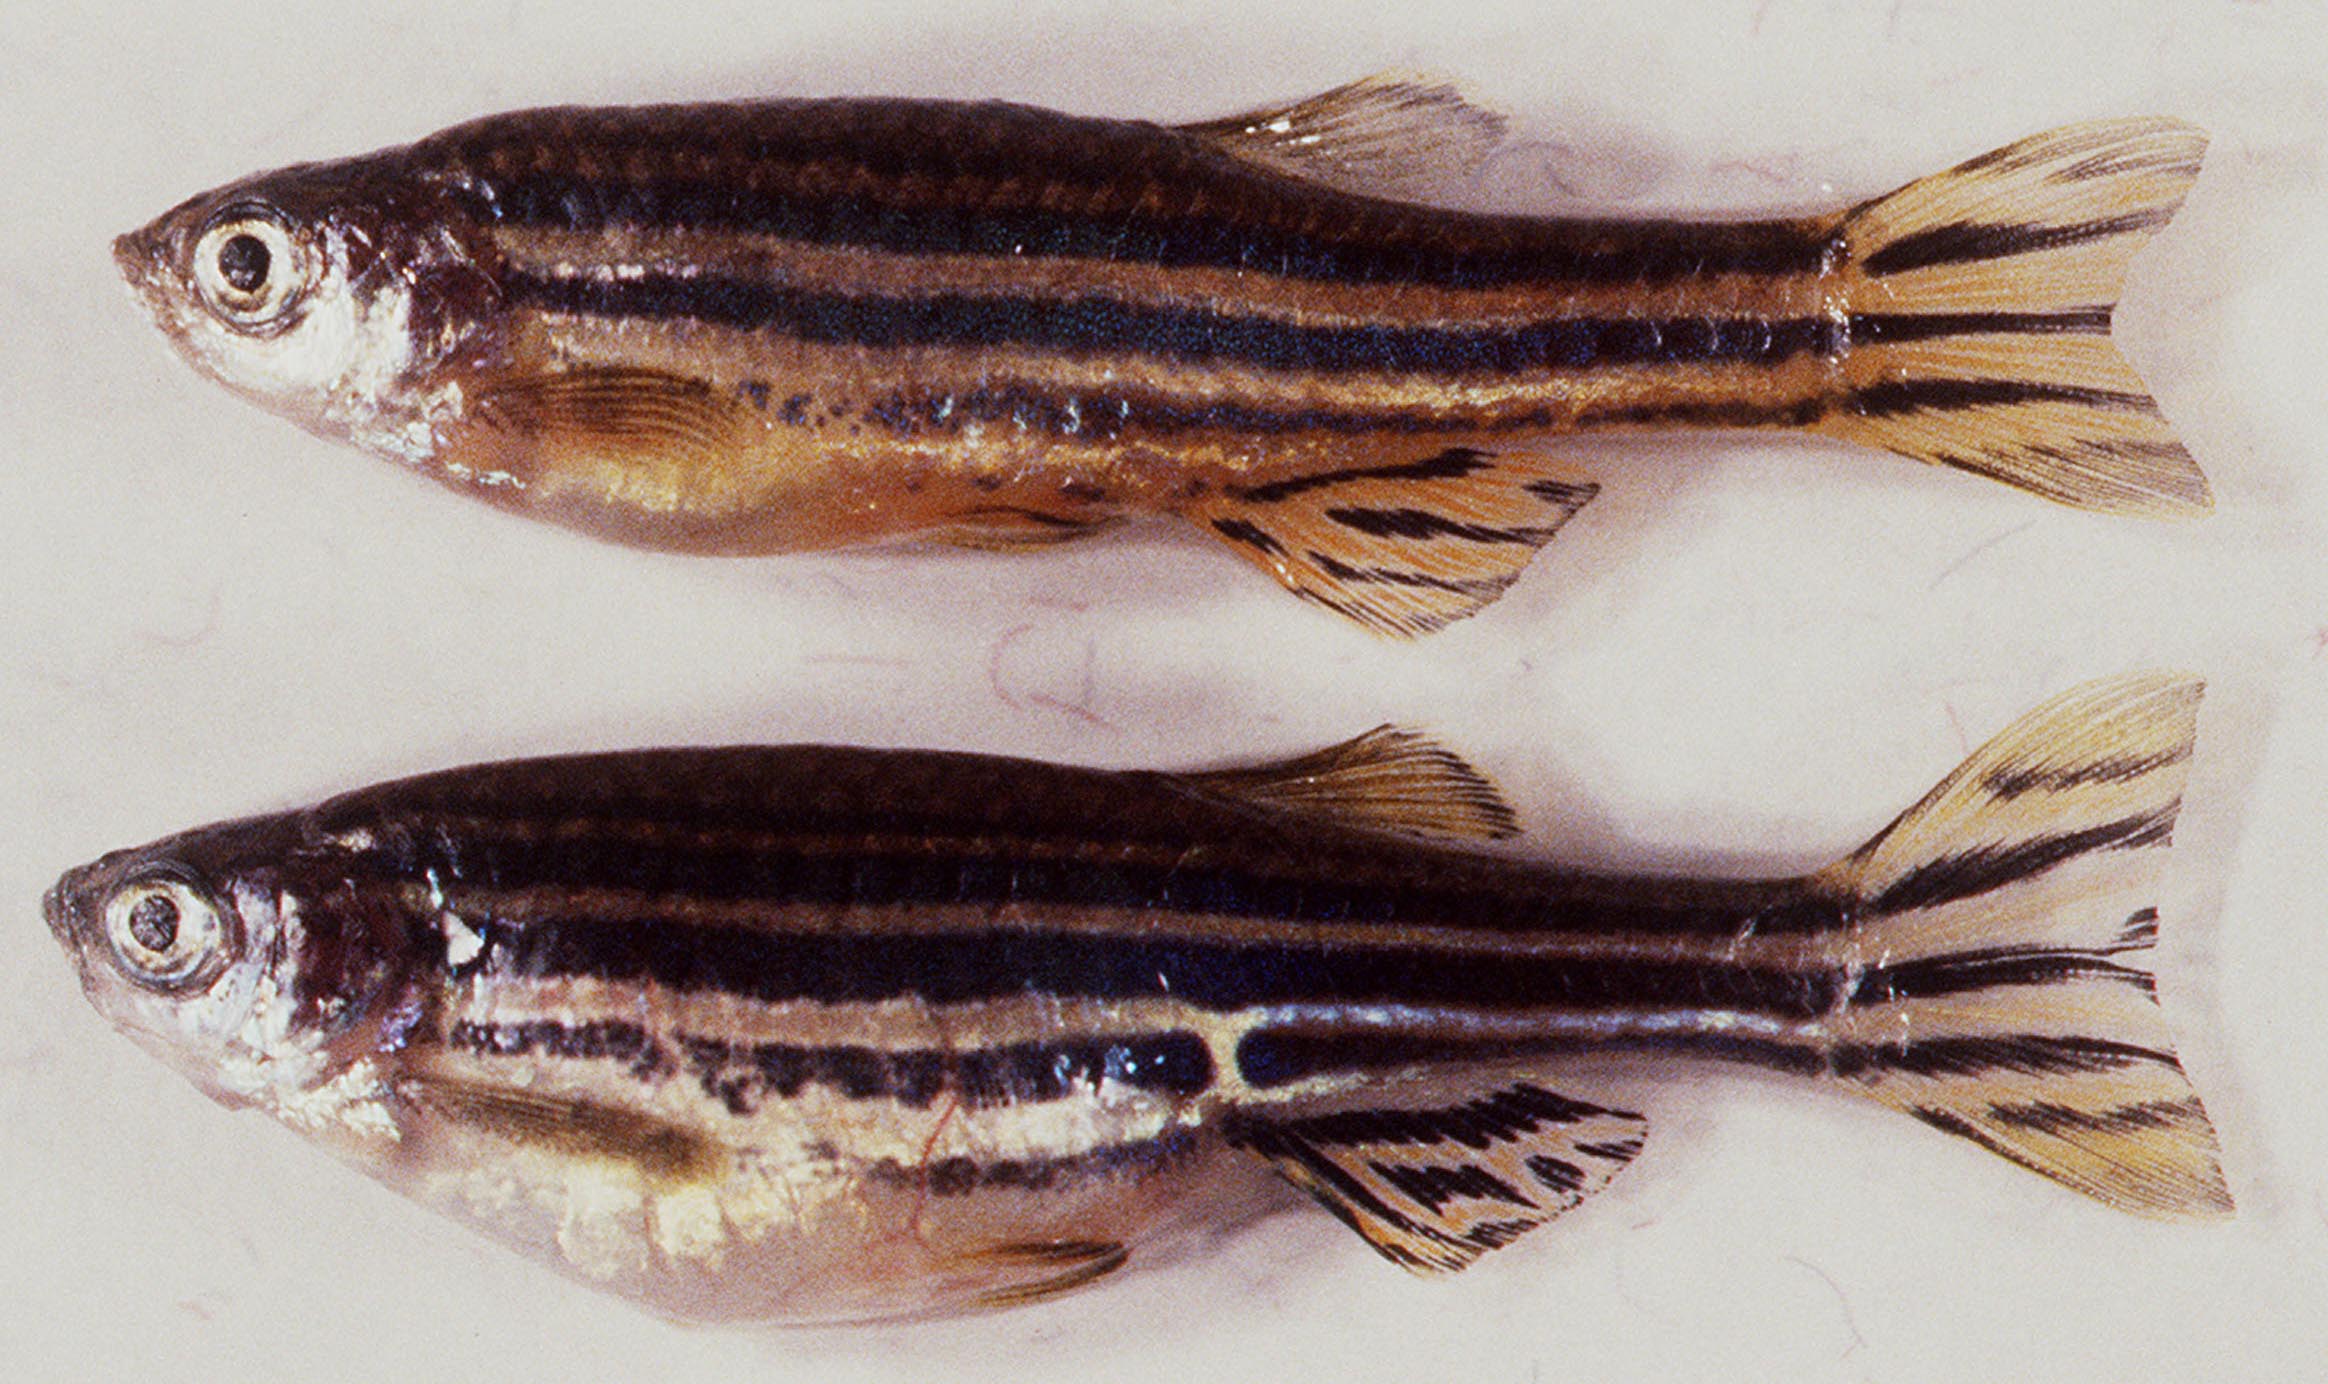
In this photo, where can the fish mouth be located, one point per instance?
(63, 909)
(133, 254)
(56, 906)
(137, 256)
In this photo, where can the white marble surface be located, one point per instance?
(1747, 655)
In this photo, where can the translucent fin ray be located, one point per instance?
(1980, 302)
(1383, 134)
(1389, 779)
(662, 1152)
(2000, 991)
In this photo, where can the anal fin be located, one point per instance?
(1404, 547)
(1389, 779)
(1433, 1189)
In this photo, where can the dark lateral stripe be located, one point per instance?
(989, 964)
(2051, 1117)
(670, 867)
(1965, 971)
(1268, 1057)
(1894, 328)
(2013, 781)
(601, 1039)
(958, 1175)
(1532, 252)
(1947, 395)
(1959, 242)
(2027, 1053)
(1451, 465)
(743, 1076)
(1510, 1114)
(1097, 325)
(1979, 870)
(1423, 524)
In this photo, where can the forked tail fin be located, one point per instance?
(1999, 988)
(1979, 304)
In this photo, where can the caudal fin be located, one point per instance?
(2001, 992)
(1979, 305)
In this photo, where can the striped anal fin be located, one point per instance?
(1433, 1189)
(1402, 547)
(1999, 990)
(1979, 304)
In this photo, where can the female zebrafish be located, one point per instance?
(825, 1034)
(777, 325)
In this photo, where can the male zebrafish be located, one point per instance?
(822, 1033)
(777, 325)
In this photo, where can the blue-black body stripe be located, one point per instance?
(1471, 893)
(1509, 252)
(993, 963)
(1094, 324)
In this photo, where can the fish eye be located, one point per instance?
(166, 934)
(248, 268)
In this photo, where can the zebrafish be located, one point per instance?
(816, 1033)
(768, 326)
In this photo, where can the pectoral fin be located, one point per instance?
(632, 454)
(1433, 1189)
(1033, 1272)
(1008, 528)
(618, 411)
(664, 1153)
(1389, 779)
(1379, 134)
(1402, 547)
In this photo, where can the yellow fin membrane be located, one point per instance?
(1401, 547)
(1389, 779)
(1432, 1190)
(1979, 305)
(2000, 991)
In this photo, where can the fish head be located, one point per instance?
(206, 950)
(332, 294)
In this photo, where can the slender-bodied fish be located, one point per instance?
(777, 325)
(814, 1034)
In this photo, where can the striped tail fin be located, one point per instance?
(1999, 991)
(1979, 304)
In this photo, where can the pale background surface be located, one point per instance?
(1745, 656)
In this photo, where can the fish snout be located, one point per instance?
(57, 907)
(133, 254)
(66, 908)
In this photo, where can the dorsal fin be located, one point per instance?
(1389, 779)
(1433, 1189)
(1379, 134)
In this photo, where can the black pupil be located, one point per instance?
(243, 263)
(153, 921)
